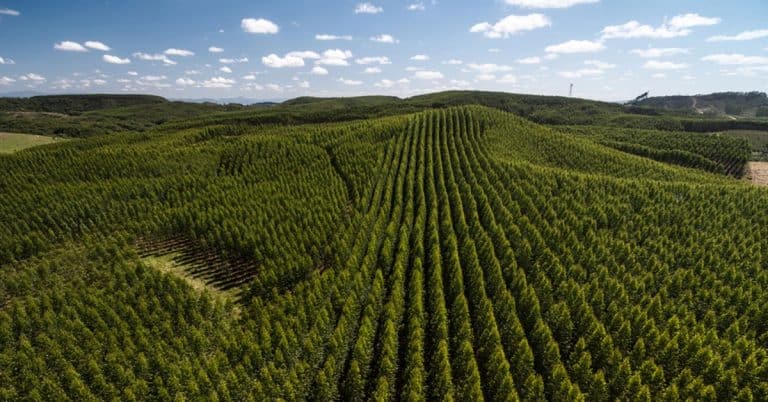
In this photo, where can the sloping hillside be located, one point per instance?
(736, 104)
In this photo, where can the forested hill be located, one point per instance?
(738, 104)
(75, 104)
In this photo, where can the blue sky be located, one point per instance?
(609, 49)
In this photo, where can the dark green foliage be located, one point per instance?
(455, 254)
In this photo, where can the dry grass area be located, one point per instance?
(757, 173)
(13, 142)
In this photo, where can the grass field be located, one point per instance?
(12, 142)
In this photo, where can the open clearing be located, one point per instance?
(13, 142)
(757, 173)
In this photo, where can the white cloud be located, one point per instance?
(275, 87)
(691, 20)
(304, 84)
(736, 59)
(385, 83)
(494, 50)
(185, 81)
(530, 60)
(372, 70)
(232, 61)
(384, 38)
(416, 7)
(373, 60)
(485, 77)
(154, 77)
(746, 35)
(69, 46)
(507, 79)
(225, 69)
(488, 68)
(6, 80)
(576, 46)
(511, 24)
(114, 59)
(317, 70)
(8, 11)
(428, 75)
(97, 45)
(154, 57)
(654, 53)
(659, 75)
(677, 26)
(179, 52)
(410, 68)
(368, 8)
(218, 82)
(132, 73)
(6, 61)
(599, 64)
(349, 82)
(306, 54)
(663, 65)
(275, 61)
(249, 77)
(453, 62)
(332, 37)
(584, 72)
(548, 3)
(335, 57)
(420, 57)
(32, 77)
(99, 82)
(259, 26)
(215, 49)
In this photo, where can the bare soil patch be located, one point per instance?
(757, 173)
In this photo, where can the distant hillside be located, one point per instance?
(737, 104)
(75, 104)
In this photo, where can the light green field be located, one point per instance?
(11, 142)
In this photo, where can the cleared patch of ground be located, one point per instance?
(14, 142)
(757, 173)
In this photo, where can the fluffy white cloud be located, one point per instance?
(114, 59)
(6, 61)
(317, 70)
(416, 7)
(488, 68)
(335, 57)
(663, 65)
(97, 45)
(384, 38)
(420, 57)
(275, 87)
(8, 11)
(599, 64)
(349, 82)
(154, 57)
(6, 80)
(367, 8)
(232, 61)
(215, 49)
(259, 26)
(32, 77)
(507, 79)
(69, 46)
(677, 26)
(746, 35)
(179, 52)
(218, 82)
(332, 37)
(249, 77)
(584, 72)
(529, 60)
(736, 59)
(576, 46)
(153, 78)
(428, 75)
(133, 73)
(385, 83)
(185, 81)
(225, 69)
(453, 62)
(548, 3)
(373, 60)
(306, 54)
(99, 81)
(275, 61)
(654, 53)
(372, 70)
(511, 24)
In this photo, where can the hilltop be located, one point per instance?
(735, 104)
